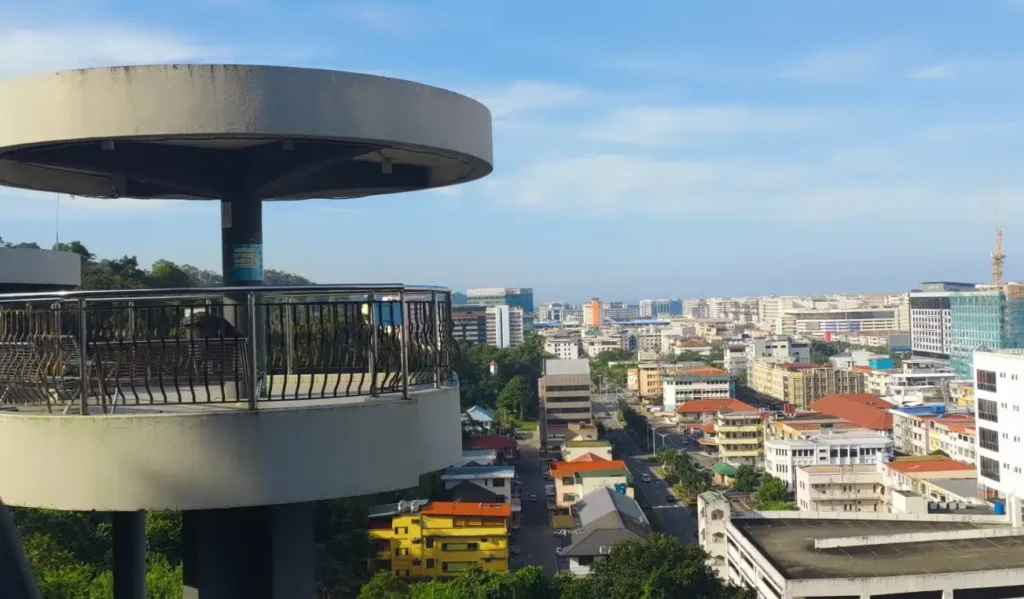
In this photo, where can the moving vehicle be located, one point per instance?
(533, 498)
(645, 477)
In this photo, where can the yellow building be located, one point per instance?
(420, 539)
(800, 384)
(740, 436)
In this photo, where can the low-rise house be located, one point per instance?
(477, 457)
(574, 480)
(504, 447)
(840, 488)
(480, 417)
(920, 430)
(422, 539)
(574, 450)
(604, 518)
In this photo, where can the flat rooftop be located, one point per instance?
(566, 367)
(789, 544)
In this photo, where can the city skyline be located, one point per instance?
(774, 150)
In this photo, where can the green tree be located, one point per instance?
(772, 490)
(167, 275)
(384, 585)
(747, 479)
(514, 395)
(938, 452)
(344, 547)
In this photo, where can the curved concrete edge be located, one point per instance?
(227, 459)
(421, 124)
(32, 268)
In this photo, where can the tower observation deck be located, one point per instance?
(240, 405)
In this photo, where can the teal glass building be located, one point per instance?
(993, 317)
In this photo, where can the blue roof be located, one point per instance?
(922, 410)
(475, 472)
(480, 414)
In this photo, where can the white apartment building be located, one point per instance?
(770, 311)
(931, 320)
(595, 344)
(818, 323)
(914, 377)
(855, 357)
(563, 348)
(504, 326)
(551, 312)
(696, 308)
(840, 488)
(999, 410)
(791, 351)
(901, 302)
(699, 382)
(619, 311)
(735, 358)
(784, 457)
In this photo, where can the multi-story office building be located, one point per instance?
(552, 312)
(470, 323)
(931, 320)
(431, 539)
(700, 382)
(661, 308)
(779, 349)
(563, 348)
(770, 310)
(564, 398)
(619, 311)
(901, 302)
(990, 317)
(504, 326)
(800, 384)
(783, 457)
(594, 344)
(592, 316)
(516, 297)
(835, 487)
(735, 358)
(821, 323)
(999, 413)
(696, 308)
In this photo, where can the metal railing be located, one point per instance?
(72, 350)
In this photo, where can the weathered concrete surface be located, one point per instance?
(26, 268)
(225, 458)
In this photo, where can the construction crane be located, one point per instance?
(998, 258)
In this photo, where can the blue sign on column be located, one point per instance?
(247, 262)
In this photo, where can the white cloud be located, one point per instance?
(381, 17)
(753, 190)
(660, 126)
(938, 71)
(528, 96)
(26, 51)
(833, 66)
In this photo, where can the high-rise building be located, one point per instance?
(618, 311)
(516, 297)
(552, 312)
(931, 321)
(564, 397)
(504, 326)
(592, 316)
(999, 421)
(990, 317)
(563, 348)
(660, 308)
(470, 323)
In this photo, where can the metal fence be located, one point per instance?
(72, 350)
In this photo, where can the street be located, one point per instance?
(675, 518)
(535, 539)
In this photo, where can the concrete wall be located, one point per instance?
(24, 268)
(218, 459)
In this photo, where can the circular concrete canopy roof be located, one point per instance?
(210, 131)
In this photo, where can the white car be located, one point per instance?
(645, 477)
(533, 498)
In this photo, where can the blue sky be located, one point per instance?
(643, 149)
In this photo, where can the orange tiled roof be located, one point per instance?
(866, 399)
(701, 371)
(589, 457)
(708, 406)
(857, 409)
(458, 508)
(926, 465)
(706, 428)
(563, 469)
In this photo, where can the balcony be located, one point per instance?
(211, 398)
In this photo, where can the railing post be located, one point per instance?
(371, 299)
(254, 372)
(437, 336)
(83, 360)
(405, 346)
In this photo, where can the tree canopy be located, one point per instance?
(747, 479)
(659, 567)
(773, 494)
(481, 388)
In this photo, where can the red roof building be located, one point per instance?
(865, 411)
(491, 442)
(712, 406)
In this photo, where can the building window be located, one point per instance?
(986, 380)
(430, 564)
(568, 497)
(460, 546)
(988, 439)
(498, 482)
(455, 566)
(988, 409)
(430, 543)
(989, 468)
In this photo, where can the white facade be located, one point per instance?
(999, 413)
(594, 345)
(931, 325)
(783, 457)
(819, 323)
(845, 488)
(504, 326)
(677, 389)
(552, 312)
(563, 349)
(777, 347)
(735, 358)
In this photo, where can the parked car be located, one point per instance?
(533, 498)
(561, 532)
(645, 477)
